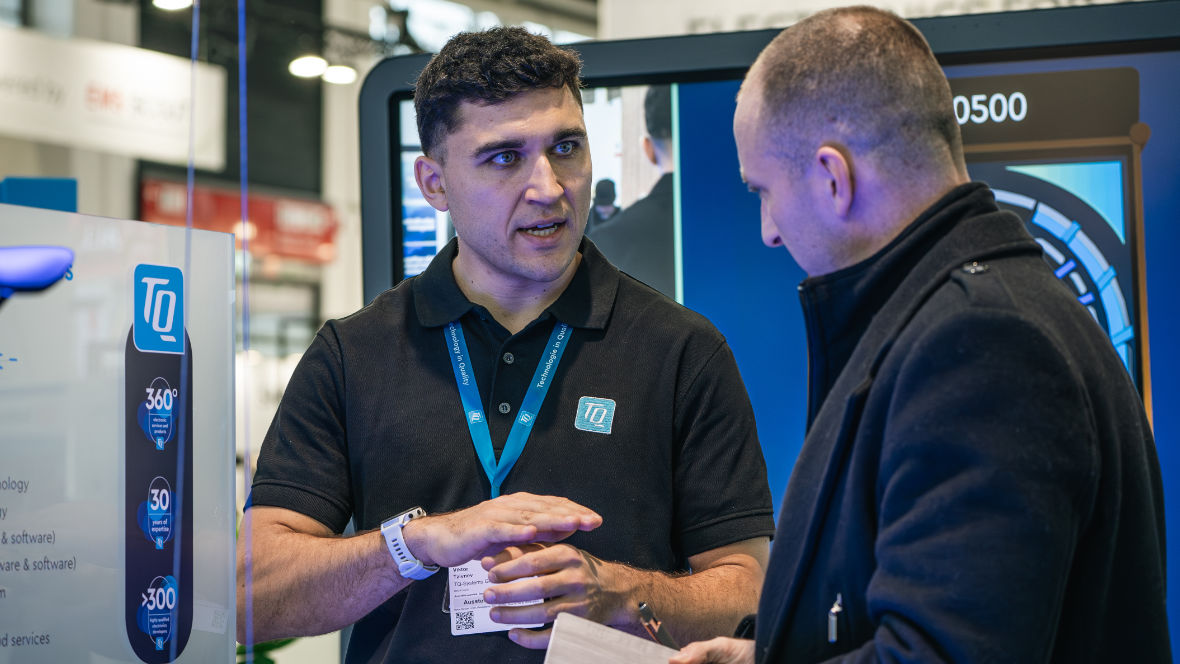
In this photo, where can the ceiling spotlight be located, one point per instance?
(339, 74)
(172, 5)
(308, 66)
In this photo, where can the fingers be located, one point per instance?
(551, 515)
(454, 539)
(485, 529)
(518, 562)
(693, 653)
(492, 536)
(522, 517)
(537, 614)
(559, 575)
(720, 650)
(508, 553)
(539, 580)
(536, 639)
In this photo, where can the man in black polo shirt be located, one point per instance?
(519, 393)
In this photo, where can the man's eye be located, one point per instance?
(504, 158)
(565, 147)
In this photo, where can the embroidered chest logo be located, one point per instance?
(595, 414)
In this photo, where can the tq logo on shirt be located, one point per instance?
(595, 414)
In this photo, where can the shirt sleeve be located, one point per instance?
(722, 492)
(303, 465)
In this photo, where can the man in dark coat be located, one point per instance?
(979, 481)
(641, 240)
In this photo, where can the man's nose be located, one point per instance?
(770, 234)
(543, 186)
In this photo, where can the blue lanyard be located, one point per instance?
(477, 422)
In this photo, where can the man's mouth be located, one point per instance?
(543, 229)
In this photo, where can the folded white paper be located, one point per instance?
(579, 641)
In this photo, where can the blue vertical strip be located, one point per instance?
(243, 169)
(186, 364)
(677, 195)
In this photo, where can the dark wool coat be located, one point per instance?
(979, 481)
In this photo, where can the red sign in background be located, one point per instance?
(285, 227)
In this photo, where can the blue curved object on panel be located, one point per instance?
(32, 268)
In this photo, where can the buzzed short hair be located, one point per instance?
(488, 67)
(861, 76)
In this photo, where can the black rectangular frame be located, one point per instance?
(1003, 36)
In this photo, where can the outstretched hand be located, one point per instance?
(720, 650)
(567, 579)
(487, 528)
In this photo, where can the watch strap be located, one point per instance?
(407, 565)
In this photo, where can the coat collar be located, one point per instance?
(838, 307)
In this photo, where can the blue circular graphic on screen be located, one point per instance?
(155, 412)
(1086, 245)
(155, 513)
(157, 610)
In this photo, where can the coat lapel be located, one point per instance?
(816, 472)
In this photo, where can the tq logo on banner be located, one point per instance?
(159, 309)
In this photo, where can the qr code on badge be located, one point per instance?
(464, 620)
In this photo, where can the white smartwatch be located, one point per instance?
(407, 565)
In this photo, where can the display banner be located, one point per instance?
(618, 19)
(278, 225)
(117, 507)
(111, 98)
(158, 462)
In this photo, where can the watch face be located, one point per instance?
(1077, 211)
(410, 514)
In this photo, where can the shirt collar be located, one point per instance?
(586, 302)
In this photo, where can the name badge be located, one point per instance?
(470, 614)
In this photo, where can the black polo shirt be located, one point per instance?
(371, 424)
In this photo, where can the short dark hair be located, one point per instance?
(604, 192)
(657, 111)
(862, 76)
(488, 67)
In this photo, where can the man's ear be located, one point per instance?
(835, 167)
(428, 175)
(649, 149)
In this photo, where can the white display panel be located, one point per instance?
(68, 550)
(112, 98)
